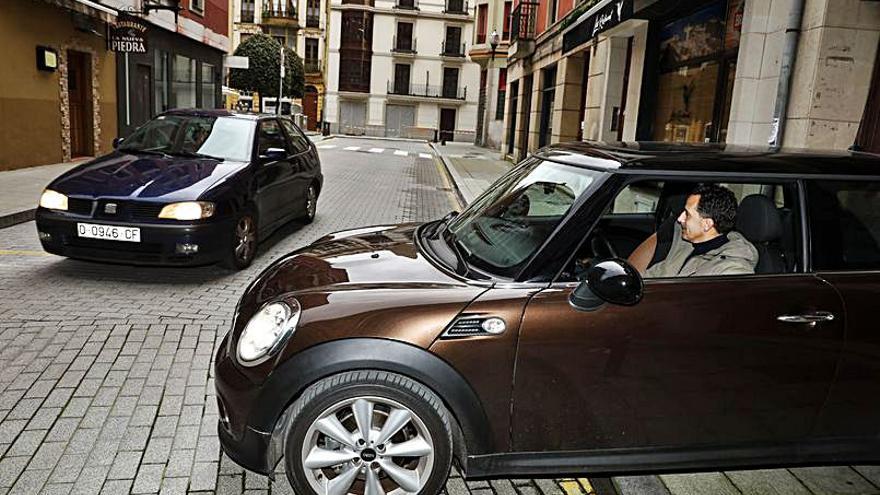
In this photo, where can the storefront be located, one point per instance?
(174, 72)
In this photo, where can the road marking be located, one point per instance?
(401, 153)
(352, 148)
(325, 146)
(425, 155)
(376, 150)
(22, 252)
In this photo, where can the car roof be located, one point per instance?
(219, 113)
(710, 159)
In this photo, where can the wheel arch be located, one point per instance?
(287, 382)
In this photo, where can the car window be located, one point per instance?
(298, 141)
(638, 197)
(228, 138)
(844, 224)
(271, 136)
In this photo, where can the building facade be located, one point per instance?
(492, 16)
(60, 104)
(300, 25)
(182, 66)
(400, 68)
(702, 71)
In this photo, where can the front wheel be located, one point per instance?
(368, 433)
(311, 206)
(243, 248)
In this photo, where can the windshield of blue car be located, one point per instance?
(505, 226)
(226, 138)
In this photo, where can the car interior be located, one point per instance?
(639, 225)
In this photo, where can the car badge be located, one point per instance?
(110, 208)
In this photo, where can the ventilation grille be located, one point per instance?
(466, 326)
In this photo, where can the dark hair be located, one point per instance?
(719, 204)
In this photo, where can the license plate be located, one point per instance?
(108, 232)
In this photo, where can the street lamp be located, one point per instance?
(494, 38)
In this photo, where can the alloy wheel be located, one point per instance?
(245, 239)
(311, 202)
(367, 446)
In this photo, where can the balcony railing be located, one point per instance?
(284, 12)
(427, 91)
(456, 7)
(313, 20)
(523, 25)
(453, 50)
(312, 66)
(407, 4)
(403, 45)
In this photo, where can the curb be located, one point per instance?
(454, 178)
(16, 218)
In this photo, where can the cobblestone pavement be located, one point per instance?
(105, 370)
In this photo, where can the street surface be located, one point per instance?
(105, 370)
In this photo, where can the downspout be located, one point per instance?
(783, 89)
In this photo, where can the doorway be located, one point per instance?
(140, 110)
(79, 89)
(548, 96)
(447, 124)
(310, 107)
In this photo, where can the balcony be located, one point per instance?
(407, 4)
(453, 50)
(456, 7)
(522, 29)
(447, 91)
(280, 14)
(313, 20)
(404, 46)
(312, 66)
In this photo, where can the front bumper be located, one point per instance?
(158, 246)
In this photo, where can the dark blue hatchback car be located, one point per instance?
(189, 187)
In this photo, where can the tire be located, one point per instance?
(241, 253)
(311, 206)
(423, 423)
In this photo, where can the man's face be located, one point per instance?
(695, 228)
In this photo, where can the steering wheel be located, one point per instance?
(601, 245)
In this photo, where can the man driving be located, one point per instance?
(704, 242)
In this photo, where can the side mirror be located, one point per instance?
(613, 281)
(117, 142)
(273, 155)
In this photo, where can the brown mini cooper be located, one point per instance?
(519, 338)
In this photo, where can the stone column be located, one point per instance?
(566, 111)
(593, 112)
(535, 110)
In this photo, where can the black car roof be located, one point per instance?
(681, 158)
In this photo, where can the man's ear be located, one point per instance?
(708, 224)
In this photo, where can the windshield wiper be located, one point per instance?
(453, 243)
(143, 152)
(193, 154)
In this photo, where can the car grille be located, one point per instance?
(128, 210)
(145, 211)
(79, 206)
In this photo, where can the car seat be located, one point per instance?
(758, 220)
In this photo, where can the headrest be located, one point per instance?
(758, 219)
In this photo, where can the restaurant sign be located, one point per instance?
(129, 35)
(600, 18)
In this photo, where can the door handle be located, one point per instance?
(811, 318)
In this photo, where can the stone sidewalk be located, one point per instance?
(472, 170)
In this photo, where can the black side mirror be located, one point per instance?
(613, 281)
(273, 155)
(117, 142)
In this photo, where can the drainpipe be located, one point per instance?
(783, 89)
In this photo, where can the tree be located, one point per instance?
(262, 76)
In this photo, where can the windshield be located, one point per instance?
(505, 226)
(226, 138)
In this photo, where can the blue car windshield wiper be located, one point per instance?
(193, 154)
(143, 152)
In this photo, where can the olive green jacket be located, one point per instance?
(736, 257)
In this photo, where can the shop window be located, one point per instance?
(208, 96)
(161, 84)
(502, 94)
(183, 82)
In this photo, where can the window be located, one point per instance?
(197, 6)
(162, 83)
(298, 141)
(401, 79)
(208, 96)
(224, 137)
(313, 13)
(502, 94)
(551, 14)
(450, 82)
(452, 45)
(844, 225)
(482, 22)
(247, 12)
(270, 136)
(404, 40)
(183, 82)
(508, 6)
(312, 64)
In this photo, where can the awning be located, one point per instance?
(89, 8)
(601, 17)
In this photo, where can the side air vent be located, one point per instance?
(473, 326)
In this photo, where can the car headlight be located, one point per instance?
(53, 200)
(267, 330)
(188, 210)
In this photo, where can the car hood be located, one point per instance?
(129, 176)
(371, 282)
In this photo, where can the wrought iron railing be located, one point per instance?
(523, 25)
(403, 45)
(453, 49)
(456, 7)
(312, 66)
(448, 91)
(279, 11)
(313, 20)
(407, 4)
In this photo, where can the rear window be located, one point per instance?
(845, 225)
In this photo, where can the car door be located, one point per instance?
(301, 167)
(273, 175)
(845, 251)
(705, 362)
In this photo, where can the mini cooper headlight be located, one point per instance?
(267, 330)
(53, 200)
(188, 210)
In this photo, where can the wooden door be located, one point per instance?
(447, 124)
(310, 107)
(79, 89)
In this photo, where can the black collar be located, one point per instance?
(706, 246)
